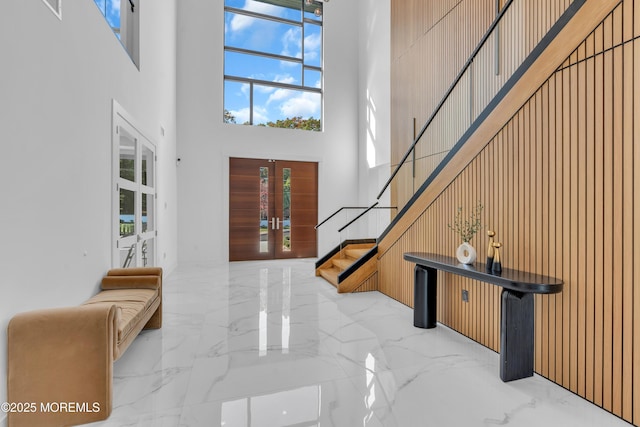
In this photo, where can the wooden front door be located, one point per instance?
(273, 209)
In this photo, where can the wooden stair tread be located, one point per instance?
(356, 252)
(330, 275)
(343, 263)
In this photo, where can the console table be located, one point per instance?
(516, 313)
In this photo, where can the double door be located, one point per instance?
(273, 209)
(134, 221)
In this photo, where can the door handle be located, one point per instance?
(275, 223)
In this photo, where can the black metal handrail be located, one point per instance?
(373, 206)
(448, 93)
(338, 211)
(358, 217)
(368, 208)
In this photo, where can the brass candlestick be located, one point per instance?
(490, 251)
(497, 264)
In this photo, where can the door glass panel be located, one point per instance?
(148, 218)
(286, 209)
(127, 157)
(128, 255)
(146, 252)
(127, 212)
(264, 209)
(147, 166)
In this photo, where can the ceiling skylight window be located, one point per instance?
(273, 63)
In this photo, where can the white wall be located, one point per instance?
(374, 106)
(57, 82)
(205, 143)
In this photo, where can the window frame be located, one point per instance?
(252, 82)
(128, 31)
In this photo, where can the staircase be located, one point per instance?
(349, 266)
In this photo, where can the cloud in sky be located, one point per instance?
(292, 43)
(312, 46)
(286, 78)
(305, 104)
(242, 115)
(115, 8)
(279, 95)
(242, 22)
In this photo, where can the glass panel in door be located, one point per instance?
(286, 209)
(147, 219)
(128, 256)
(147, 167)
(127, 213)
(127, 157)
(264, 210)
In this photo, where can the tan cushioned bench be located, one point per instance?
(65, 355)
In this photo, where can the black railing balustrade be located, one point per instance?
(497, 62)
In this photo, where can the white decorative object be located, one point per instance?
(466, 253)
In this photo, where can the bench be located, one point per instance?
(517, 325)
(60, 361)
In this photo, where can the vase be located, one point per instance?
(466, 253)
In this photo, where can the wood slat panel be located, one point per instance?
(636, 235)
(370, 284)
(628, 197)
(560, 183)
(454, 35)
(598, 374)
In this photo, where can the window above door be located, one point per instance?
(273, 63)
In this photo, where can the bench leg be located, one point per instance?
(425, 287)
(516, 335)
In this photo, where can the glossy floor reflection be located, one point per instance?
(268, 344)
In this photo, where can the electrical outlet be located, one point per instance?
(465, 295)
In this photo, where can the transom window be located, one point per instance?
(273, 63)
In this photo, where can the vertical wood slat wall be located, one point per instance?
(421, 32)
(427, 57)
(426, 64)
(560, 184)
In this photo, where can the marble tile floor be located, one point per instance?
(254, 344)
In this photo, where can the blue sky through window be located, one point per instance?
(289, 46)
(111, 11)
